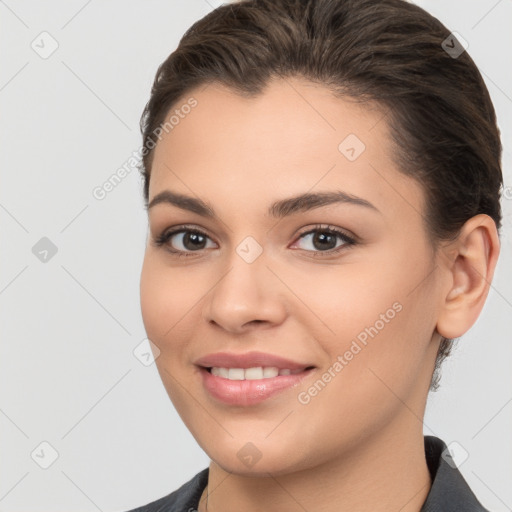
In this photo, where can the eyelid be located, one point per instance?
(328, 227)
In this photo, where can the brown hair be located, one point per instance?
(391, 52)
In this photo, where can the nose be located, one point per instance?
(246, 296)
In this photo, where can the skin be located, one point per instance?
(357, 445)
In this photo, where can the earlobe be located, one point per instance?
(469, 263)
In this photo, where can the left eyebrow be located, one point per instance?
(309, 201)
(278, 209)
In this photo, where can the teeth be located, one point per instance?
(256, 373)
(220, 372)
(270, 371)
(236, 374)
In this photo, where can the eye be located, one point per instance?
(326, 239)
(183, 240)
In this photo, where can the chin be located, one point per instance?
(261, 468)
(255, 459)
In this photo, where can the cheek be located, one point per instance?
(167, 296)
(341, 302)
(375, 316)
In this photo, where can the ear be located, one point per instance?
(469, 264)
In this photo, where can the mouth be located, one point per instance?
(251, 378)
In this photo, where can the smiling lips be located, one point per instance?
(250, 378)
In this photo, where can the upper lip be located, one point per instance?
(248, 360)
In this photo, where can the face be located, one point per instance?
(331, 301)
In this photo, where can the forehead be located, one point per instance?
(292, 137)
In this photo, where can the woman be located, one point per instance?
(322, 180)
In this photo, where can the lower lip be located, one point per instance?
(249, 392)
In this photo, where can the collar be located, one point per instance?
(449, 491)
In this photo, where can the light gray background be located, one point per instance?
(68, 374)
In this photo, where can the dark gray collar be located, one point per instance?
(449, 491)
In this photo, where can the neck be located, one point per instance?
(385, 473)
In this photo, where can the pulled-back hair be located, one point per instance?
(388, 52)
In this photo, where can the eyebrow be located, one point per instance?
(278, 209)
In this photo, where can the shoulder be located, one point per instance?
(449, 491)
(184, 499)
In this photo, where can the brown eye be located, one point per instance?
(184, 241)
(323, 239)
(190, 241)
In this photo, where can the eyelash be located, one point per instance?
(164, 238)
